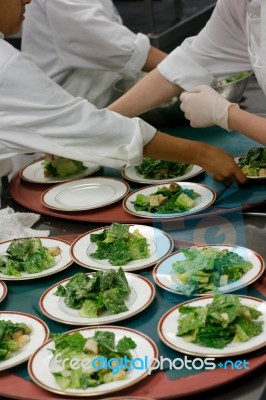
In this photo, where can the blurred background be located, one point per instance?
(168, 22)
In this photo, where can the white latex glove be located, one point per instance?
(205, 107)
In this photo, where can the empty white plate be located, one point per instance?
(85, 194)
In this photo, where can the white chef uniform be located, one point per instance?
(83, 46)
(230, 42)
(38, 115)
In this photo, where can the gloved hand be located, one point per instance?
(205, 107)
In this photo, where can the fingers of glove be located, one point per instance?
(199, 123)
(202, 88)
(183, 96)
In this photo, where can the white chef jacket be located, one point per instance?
(83, 46)
(220, 49)
(38, 115)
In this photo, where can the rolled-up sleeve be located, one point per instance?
(219, 49)
(94, 39)
(38, 115)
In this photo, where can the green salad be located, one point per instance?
(27, 255)
(208, 268)
(167, 200)
(221, 322)
(254, 162)
(119, 246)
(233, 78)
(61, 167)
(89, 351)
(13, 337)
(92, 295)
(161, 169)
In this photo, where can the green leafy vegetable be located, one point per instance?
(161, 169)
(233, 78)
(27, 255)
(219, 323)
(119, 246)
(93, 350)
(61, 167)
(208, 268)
(167, 200)
(13, 337)
(254, 162)
(96, 293)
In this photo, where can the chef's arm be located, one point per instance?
(248, 124)
(213, 160)
(155, 56)
(148, 93)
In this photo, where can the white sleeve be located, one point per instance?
(219, 49)
(86, 36)
(38, 115)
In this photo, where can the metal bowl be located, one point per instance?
(232, 91)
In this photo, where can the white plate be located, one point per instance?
(163, 271)
(63, 260)
(85, 194)
(39, 334)
(39, 364)
(141, 296)
(208, 197)
(132, 175)
(3, 291)
(168, 325)
(248, 176)
(34, 173)
(160, 244)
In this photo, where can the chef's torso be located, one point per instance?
(73, 60)
(256, 38)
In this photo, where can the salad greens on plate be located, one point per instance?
(61, 167)
(167, 200)
(88, 353)
(160, 169)
(103, 290)
(13, 337)
(207, 268)
(219, 323)
(27, 255)
(254, 162)
(119, 246)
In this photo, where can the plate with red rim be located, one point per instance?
(34, 173)
(168, 326)
(40, 363)
(38, 336)
(131, 174)
(63, 260)
(206, 199)
(85, 194)
(160, 244)
(164, 275)
(3, 291)
(141, 296)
